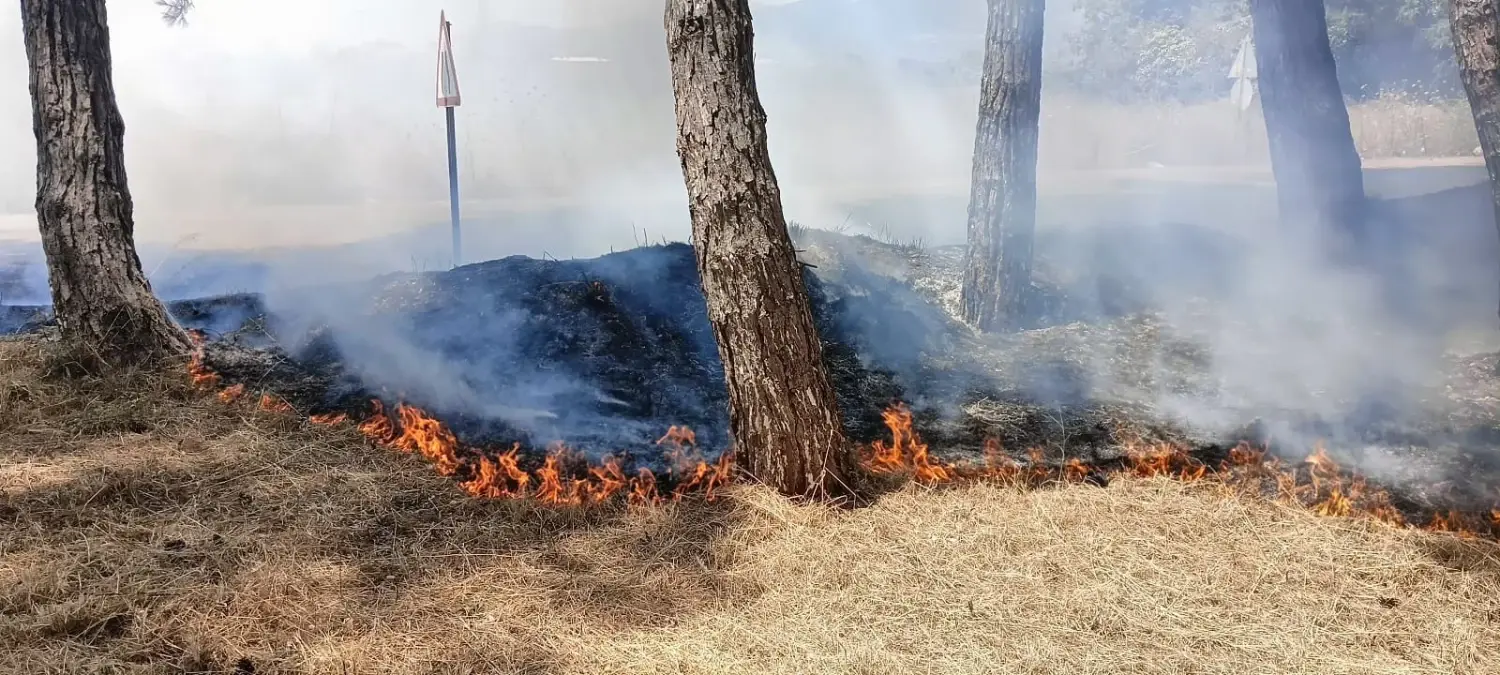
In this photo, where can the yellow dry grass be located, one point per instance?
(155, 532)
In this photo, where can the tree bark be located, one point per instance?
(1476, 40)
(782, 411)
(1002, 190)
(102, 300)
(1319, 182)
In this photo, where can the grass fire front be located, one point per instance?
(150, 527)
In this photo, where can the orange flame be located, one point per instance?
(271, 403)
(1319, 483)
(328, 419)
(556, 481)
(198, 369)
(907, 452)
(1335, 504)
(428, 437)
(498, 477)
(608, 479)
(643, 489)
(378, 427)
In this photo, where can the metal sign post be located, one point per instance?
(448, 99)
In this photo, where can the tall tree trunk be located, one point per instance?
(1002, 190)
(102, 300)
(1319, 182)
(782, 411)
(1476, 39)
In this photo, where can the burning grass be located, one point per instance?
(155, 529)
(565, 477)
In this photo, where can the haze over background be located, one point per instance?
(275, 107)
(273, 123)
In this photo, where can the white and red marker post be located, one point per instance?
(448, 98)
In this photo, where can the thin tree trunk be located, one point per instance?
(1002, 191)
(102, 300)
(1476, 39)
(1319, 182)
(782, 411)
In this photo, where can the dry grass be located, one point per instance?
(163, 533)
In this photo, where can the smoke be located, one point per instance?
(300, 141)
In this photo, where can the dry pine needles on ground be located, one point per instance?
(161, 531)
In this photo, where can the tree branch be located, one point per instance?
(174, 12)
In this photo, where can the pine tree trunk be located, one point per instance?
(1002, 192)
(1476, 39)
(102, 300)
(782, 411)
(1319, 182)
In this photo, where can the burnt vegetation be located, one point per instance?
(606, 355)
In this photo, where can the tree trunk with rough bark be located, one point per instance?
(102, 300)
(782, 412)
(1319, 182)
(1476, 40)
(1002, 191)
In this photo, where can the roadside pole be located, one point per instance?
(448, 98)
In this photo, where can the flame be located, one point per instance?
(1388, 514)
(198, 369)
(907, 452)
(1074, 470)
(564, 478)
(328, 419)
(1245, 455)
(607, 480)
(378, 426)
(1317, 482)
(271, 403)
(498, 477)
(678, 437)
(430, 438)
(1157, 460)
(552, 488)
(1449, 521)
(1335, 504)
(643, 489)
(998, 466)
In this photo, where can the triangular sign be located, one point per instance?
(1243, 72)
(447, 74)
(1244, 62)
